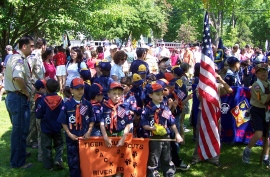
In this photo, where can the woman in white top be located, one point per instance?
(119, 59)
(73, 67)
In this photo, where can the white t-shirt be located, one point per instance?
(117, 70)
(72, 71)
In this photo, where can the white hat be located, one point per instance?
(113, 47)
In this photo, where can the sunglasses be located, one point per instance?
(123, 59)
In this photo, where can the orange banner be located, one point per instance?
(96, 159)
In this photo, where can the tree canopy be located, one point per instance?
(236, 21)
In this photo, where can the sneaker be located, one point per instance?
(156, 173)
(266, 162)
(27, 165)
(59, 165)
(182, 166)
(246, 155)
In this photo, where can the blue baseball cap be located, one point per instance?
(96, 89)
(163, 82)
(40, 84)
(85, 74)
(105, 65)
(178, 71)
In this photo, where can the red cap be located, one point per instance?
(115, 85)
(77, 83)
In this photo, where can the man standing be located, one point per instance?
(37, 69)
(18, 86)
(9, 53)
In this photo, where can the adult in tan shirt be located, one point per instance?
(19, 89)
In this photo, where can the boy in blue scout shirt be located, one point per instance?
(232, 77)
(96, 99)
(39, 93)
(98, 72)
(77, 120)
(48, 111)
(179, 95)
(116, 119)
(260, 100)
(157, 119)
(86, 76)
(247, 72)
(105, 80)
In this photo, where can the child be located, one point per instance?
(98, 72)
(157, 113)
(48, 111)
(232, 77)
(162, 68)
(116, 119)
(96, 99)
(105, 80)
(40, 91)
(77, 120)
(260, 99)
(86, 76)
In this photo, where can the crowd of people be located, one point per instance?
(106, 91)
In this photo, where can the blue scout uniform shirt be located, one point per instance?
(196, 80)
(139, 95)
(130, 103)
(37, 98)
(232, 78)
(122, 116)
(48, 111)
(98, 111)
(68, 116)
(268, 74)
(160, 75)
(86, 94)
(165, 116)
(105, 82)
(135, 66)
(179, 93)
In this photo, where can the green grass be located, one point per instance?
(230, 159)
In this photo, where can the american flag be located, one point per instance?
(180, 94)
(121, 112)
(83, 109)
(209, 141)
(166, 114)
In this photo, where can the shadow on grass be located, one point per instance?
(36, 171)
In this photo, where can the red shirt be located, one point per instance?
(60, 58)
(50, 69)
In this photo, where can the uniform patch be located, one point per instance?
(63, 108)
(72, 119)
(228, 78)
(257, 87)
(20, 61)
(86, 117)
(166, 114)
(83, 109)
(123, 122)
(108, 120)
(121, 112)
(97, 111)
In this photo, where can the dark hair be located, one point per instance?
(40, 42)
(61, 49)
(79, 55)
(67, 92)
(25, 40)
(126, 80)
(118, 56)
(93, 54)
(46, 54)
(52, 85)
(99, 49)
(55, 50)
(140, 52)
(185, 66)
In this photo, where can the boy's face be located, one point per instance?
(143, 76)
(262, 74)
(126, 88)
(166, 91)
(100, 98)
(237, 65)
(42, 90)
(157, 97)
(162, 65)
(115, 95)
(77, 93)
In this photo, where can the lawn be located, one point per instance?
(230, 159)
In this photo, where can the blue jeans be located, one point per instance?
(19, 111)
(175, 147)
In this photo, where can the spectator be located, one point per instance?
(50, 71)
(60, 61)
(119, 59)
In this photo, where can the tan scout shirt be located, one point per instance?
(17, 66)
(258, 98)
(36, 65)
